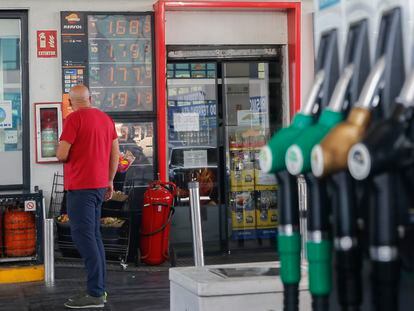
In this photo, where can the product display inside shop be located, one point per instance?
(216, 139)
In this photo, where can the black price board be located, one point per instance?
(114, 53)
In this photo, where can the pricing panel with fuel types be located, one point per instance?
(115, 58)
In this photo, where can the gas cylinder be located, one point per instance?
(19, 233)
(155, 223)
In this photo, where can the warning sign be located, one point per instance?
(29, 206)
(46, 43)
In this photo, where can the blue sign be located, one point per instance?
(258, 104)
(323, 4)
(204, 110)
(2, 115)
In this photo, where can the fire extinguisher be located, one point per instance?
(157, 213)
(49, 137)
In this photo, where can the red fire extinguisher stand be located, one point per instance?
(156, 219)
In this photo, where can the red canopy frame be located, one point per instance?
(293, 10)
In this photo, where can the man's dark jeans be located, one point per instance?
(84, 210)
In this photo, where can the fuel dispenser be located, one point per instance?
(298, 161)
(329, 158)
(272, 159)
(384, 156)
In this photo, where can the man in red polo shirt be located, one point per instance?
(89, 147)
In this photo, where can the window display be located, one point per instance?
(219, 117)
(192, 122)
(192, 147)
(252, 195)
(137, 138)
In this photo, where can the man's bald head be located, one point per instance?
(79, 97)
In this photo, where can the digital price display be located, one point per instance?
(120, 62)
(117, 60)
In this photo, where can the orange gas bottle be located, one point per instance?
(156, 218)
(19, 233)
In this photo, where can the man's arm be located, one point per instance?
(62, 151)
(113, 166)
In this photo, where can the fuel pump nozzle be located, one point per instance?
(272, 160)
(382, 157)
(298, 161)
(298, 155)
(387, 144)
(272, 156)
(331, 154)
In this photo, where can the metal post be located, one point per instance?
(196, 223)
(303, 207)
(49, 252)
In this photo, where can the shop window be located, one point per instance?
(220, 113)
(14, 158)
(10, 52)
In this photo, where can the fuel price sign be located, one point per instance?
(117, 59)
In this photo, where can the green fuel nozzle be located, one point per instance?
(272, 156)
(297, 158)
(298, 155)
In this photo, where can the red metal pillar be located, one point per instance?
(294, 50)
(161, 89)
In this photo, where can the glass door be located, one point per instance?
(14, 146)
(192, 149)
(253, 110)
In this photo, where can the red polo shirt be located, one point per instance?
(91, 133)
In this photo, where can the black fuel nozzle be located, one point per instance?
(386, 147)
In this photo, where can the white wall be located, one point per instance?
(219, 27)
(224, 28)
